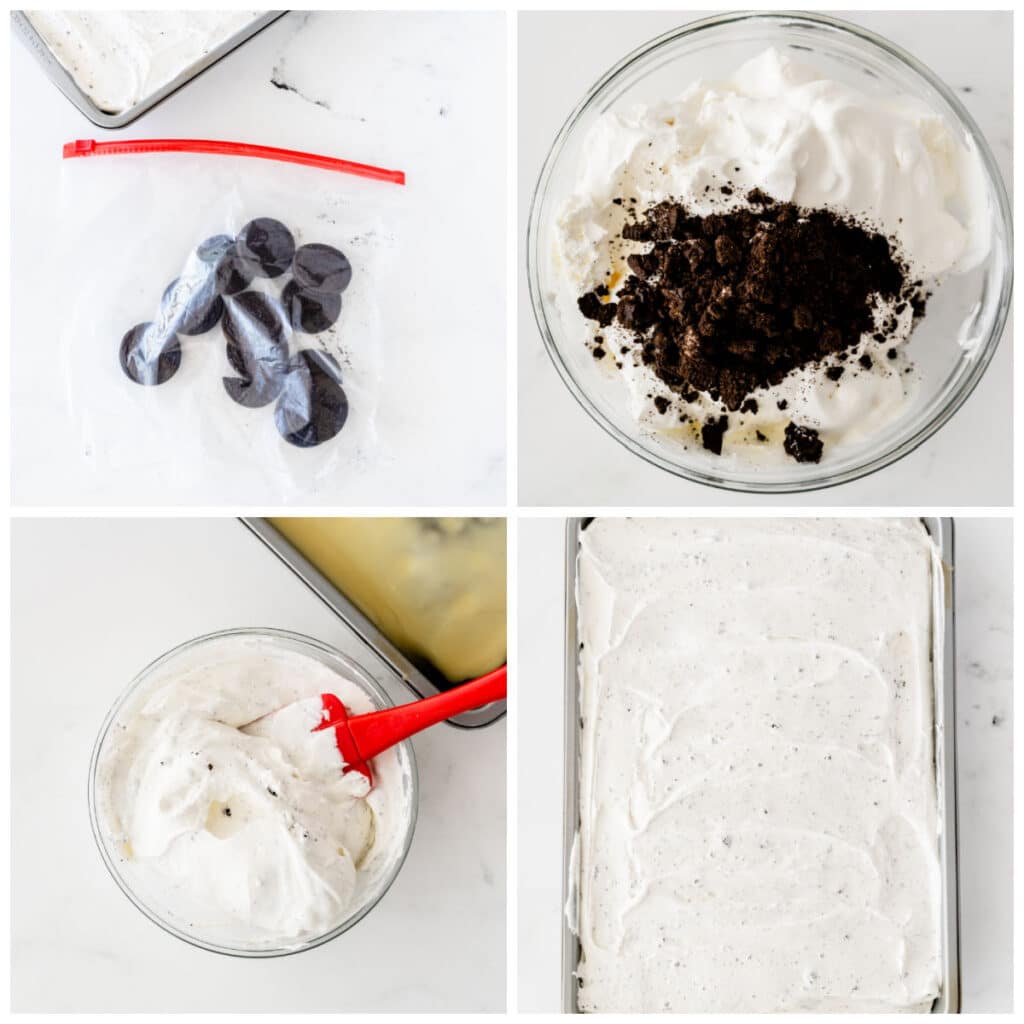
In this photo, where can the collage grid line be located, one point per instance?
(661, 361)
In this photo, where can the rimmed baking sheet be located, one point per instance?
(943, 657)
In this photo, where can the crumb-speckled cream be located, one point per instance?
(758, 801)
(238, 830)
(118, 58)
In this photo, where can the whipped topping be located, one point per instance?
(758, 796)
(252, 839)
(777, 125)
(118, 58)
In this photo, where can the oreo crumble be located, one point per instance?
(728, 303)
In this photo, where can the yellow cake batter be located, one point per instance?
(434, 587)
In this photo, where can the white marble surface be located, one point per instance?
(424, 92)
(985, 750)
(960, 465)
(94, 601)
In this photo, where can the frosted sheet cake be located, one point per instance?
(758, 802)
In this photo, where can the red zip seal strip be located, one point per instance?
(90, 147)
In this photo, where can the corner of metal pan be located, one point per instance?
(403, 669)
(66, 84)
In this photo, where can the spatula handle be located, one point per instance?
(379, 730)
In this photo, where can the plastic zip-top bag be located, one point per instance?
(223, 311)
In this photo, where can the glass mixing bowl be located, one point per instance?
(194, 653)
(950, 347)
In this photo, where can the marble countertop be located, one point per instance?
(424, 92)
(984, 639)
(960, 465)
(94, 601)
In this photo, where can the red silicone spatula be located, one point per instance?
(360, 738)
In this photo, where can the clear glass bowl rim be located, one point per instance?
(925, 429)
(321, 649)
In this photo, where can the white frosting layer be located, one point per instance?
(118, 58)
(779, 126)
(252, 838)
(757, 777)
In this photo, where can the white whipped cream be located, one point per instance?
(758, 797)
(779, 126)
(118, 58)
(246, 839)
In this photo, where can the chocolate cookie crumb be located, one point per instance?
(866, 361)
(712, 432)
(835, 372)
(593, 308)
(661, 403)
(803, 443)
(731, 302)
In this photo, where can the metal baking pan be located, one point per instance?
(64, 81)
(410, 674)
(943, 653)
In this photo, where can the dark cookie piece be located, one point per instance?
(254, 320)
(712, 432)
(313, 406)
(311, 312)
(191, 306)
(253, 393)
(321, 268)
(266, 247)
(593, 308)
(803, 443)
(214, 248)
(149, 354)
(230, 273)
(257, 348)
